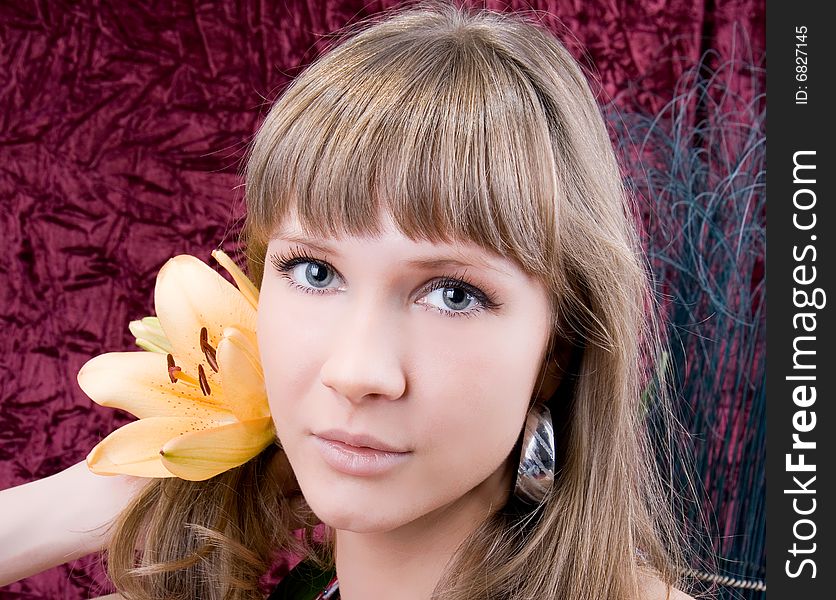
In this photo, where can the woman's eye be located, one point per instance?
(455, 299)
(315, 274)
(306, 273)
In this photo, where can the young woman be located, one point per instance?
(447, 260)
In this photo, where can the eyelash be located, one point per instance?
(284, 264)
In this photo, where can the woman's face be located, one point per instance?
(399, 373)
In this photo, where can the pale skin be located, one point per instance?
(59, 518)
(355, 333)
(373, 349)
(377, 352)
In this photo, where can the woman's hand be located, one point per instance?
(59, 518)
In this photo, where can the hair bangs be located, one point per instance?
(436, 133)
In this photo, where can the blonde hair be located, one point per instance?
(474, 125)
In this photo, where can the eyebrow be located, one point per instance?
(421, 263)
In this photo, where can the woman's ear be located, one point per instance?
(551, 373)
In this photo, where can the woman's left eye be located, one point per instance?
(455, 298)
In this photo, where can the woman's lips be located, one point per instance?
(360, 461)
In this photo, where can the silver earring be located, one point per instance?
(535, 474)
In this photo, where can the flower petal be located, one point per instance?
(149, 335)
(203, 454)
(241, 376)
(189, 296)
(134, 449)
(243, 282)
(138, 382)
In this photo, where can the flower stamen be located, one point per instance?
(207, 349)
(176, 374)
(204, 383)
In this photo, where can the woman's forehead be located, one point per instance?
(495, 241)
(388, 237)
(383, 228)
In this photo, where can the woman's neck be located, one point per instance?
(407, 563)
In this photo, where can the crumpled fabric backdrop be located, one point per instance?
(122, 129)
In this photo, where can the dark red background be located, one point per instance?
(122, 128)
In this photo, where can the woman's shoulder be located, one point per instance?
(306, 581)
(653, 588)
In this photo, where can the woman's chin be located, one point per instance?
(348, 508)
(357, 519)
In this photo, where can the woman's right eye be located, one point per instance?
(306, 273)
(316, 274)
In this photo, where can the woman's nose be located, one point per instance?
(364, 362)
